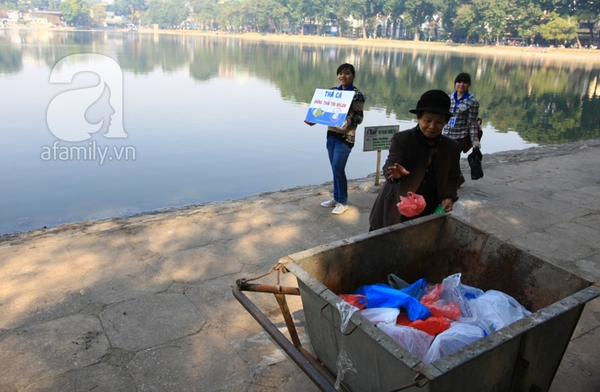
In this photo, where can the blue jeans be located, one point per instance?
(338, 156)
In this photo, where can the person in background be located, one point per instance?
(420, 160)
(340, 140)
(465, 108)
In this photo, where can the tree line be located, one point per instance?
(472, 21)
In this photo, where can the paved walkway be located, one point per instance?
(145, 303)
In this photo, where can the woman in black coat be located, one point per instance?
(420, 160)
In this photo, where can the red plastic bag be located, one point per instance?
(432, 325)
(439, 308)
(411, 204)
(357, 300)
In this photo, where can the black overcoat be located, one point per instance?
(410, 151)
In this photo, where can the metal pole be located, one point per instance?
(317, 374)
(377, 168)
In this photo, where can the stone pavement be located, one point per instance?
(145, 303)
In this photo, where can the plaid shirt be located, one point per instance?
(355, 117)
(466, 111)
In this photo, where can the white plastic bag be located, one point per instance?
(415, 341)
(495, 310)
(453, 339)
(453, 290)
(381, 315)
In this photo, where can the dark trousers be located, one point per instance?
(461, 142)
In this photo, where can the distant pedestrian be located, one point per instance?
(340, 140)
(421, 160)
(465, 108)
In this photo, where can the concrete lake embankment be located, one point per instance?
(144, 303)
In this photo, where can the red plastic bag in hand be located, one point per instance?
(411, 204)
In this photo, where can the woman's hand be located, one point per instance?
(447, 203)
(396, 171)
(344, 125)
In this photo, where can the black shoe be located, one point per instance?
(461, 180)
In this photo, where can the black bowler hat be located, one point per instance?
(436, 101)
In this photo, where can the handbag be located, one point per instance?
(474, 159)
(469, 143)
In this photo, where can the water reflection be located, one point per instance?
(544, 101)
(211, 118)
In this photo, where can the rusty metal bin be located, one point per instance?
(523, 356)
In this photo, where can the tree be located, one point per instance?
(464, 22)
(299, 11)
(264, 15)
(420, 11)
(559, 29)
(167, 13)
(75, 12)
(362, 10)
(97, 14)
(523, 20)
(588, 11)
(129, 8)
(394, 9)
(493, 14)
(205, 12)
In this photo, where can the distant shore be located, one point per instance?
(550, 53)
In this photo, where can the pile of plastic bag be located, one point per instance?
(434, 320)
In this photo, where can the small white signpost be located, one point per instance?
(379, 138)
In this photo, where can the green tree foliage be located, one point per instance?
(75, 12)
(205, 13)
(420, 11)
(493, 12)
(362, 10)
(166, 13)
(394, 9)
(464, 22)
(523, 20)
(8, 5)
(558, 29)
(460, 20)
(97, 14)
(129, 8)
(264, 15)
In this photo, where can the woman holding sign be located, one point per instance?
(340, 140)
(421, 160)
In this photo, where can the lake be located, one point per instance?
(183, 119)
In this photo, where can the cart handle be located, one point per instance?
(314, 369)
(307, 363)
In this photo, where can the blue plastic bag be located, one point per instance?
(417, 289)
(384, 296)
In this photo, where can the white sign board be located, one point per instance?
(329, 107)
(379, 138)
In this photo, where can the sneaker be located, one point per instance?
(339, 209)
(329, 203)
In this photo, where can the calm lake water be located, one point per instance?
(196, 119)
